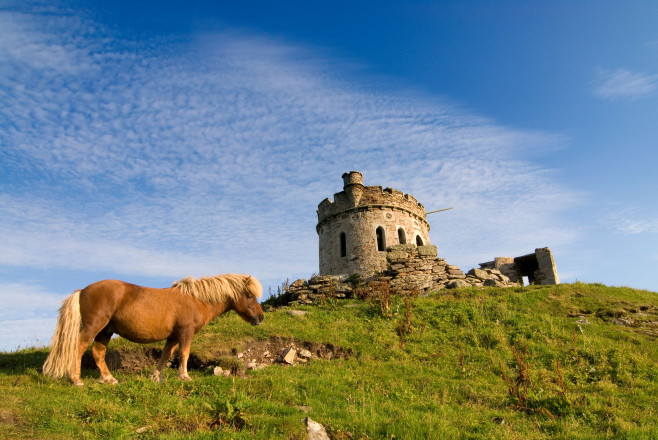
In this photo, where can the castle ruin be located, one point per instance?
(357, 227)
(382, 236)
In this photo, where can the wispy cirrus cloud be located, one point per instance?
(27, 317)
(622, 83)
(213, 151)
(631, 220)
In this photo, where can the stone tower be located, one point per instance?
(361, 222)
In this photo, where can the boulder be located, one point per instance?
(305, 354)
(427, 251)
(219, 371)
(493, 283)
(288, 356)
(456, 284)
(480, 274)
(315, 430)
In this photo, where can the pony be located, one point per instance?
(144, 315)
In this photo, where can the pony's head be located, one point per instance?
(246, 305)
(235, 291)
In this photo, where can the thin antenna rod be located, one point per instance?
(438, 210)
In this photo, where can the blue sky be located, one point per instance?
(151, 141)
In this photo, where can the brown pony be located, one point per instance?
(144, 314)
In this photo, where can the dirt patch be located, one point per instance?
(8, 418)
(254, 355)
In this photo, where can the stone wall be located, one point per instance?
(411, 270)
(538, 267)
(417, 269)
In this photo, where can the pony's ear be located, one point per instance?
(248, 284)
(253, 287)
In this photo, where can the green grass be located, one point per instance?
(442, 380)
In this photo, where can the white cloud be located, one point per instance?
(18, 297)
(27, 316)
(25, 333)
(631, 220)
(623, 84)
(211, 155)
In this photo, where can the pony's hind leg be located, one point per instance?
(166, 354)
(84, 339)
(99, 349)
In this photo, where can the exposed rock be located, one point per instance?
(297, 313)
(288, 356)
(457, 284)
(219, 371)
(624, 320)
(315, 430)
(491, 282)
(479, 273)
(305, 354)
(253, 365)
(427, 251)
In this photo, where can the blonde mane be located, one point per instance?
(217, 289)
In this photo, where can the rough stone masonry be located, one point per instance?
(382, 236)
(412, 270)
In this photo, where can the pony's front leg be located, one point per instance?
(184, 351)
(166, 354)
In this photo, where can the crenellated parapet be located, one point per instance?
(356, 197)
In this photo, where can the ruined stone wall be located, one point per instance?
(538, 267)
(411, 270)
(347, 227)
(417, 269)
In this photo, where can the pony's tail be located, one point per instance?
(64, 344)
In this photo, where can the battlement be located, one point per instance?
(357, 197)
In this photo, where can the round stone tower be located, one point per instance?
(361, 222)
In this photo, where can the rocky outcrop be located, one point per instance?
(411, 270)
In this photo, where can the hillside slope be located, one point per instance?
(567, 361)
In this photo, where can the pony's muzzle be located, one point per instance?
(257, 320)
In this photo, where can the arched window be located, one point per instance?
(381, 239)
(343, 245)
(402, 237)
(419, 241)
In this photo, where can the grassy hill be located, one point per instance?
(568, 361)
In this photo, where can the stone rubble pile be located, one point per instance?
(317, 289)
(411, 270)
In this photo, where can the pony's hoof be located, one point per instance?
(185, 378)
(77, 383)
(108, 380)
(156, 377)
